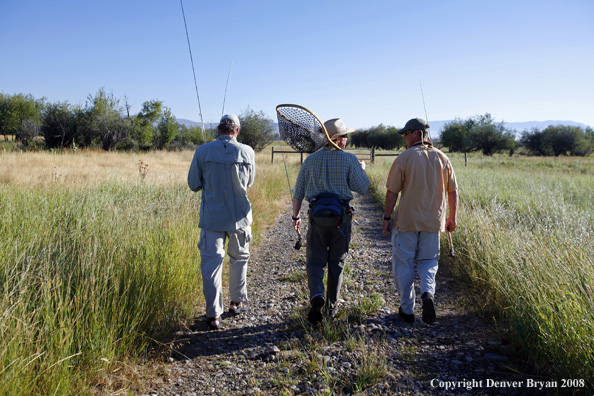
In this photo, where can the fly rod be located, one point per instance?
(452, 253)
(193, 70)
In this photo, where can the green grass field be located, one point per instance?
(525, 244)
(98, 262)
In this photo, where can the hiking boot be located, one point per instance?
(315, 312)
(408, 318)
(428, 308)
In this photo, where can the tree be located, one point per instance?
(359, 138)
(490, 138)
(189, 137)
(29, 129)
(167, 130)
(379, 136)
(589, 135)
(382, 137)
(101, 121)
(59, 125)
(535, 142)
(20, 116)
(256, 129)
(143, 131)
(566, 139)
(479, 133)
(5, 116)
(558, 140)
(456, 135)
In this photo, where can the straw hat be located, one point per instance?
(336, 128)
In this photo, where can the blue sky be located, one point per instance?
(363, 61)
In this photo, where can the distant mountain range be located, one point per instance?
(209, 125)
(437, 126)
(190, 123)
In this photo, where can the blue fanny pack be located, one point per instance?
(328, 210)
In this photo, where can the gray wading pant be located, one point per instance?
(212, 253)
(327, 245)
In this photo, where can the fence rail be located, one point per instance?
(362, 154)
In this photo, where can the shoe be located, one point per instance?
(315, 312)
(214, 323)
(408, 318)
(330, 312)
(235, 308)
(428, 308)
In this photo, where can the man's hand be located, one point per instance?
(453, 204)
(391, 198)
(387, 228)
(296, 224)
(450, 224)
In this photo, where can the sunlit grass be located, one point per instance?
(99, 261)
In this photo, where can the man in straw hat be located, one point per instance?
(425, 180)
(326, 180)
(223, 170)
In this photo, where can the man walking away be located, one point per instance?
(425, 180)
(326, 180)
(223, 169)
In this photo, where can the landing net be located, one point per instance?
(301, 129)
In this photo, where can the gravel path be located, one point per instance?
(273, 350)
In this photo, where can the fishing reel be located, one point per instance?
(298, 243)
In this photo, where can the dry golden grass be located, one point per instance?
(42, 169)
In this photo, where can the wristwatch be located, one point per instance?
(387, 218)
(295, 218)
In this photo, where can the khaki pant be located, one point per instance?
(212, 253)
(410, 250)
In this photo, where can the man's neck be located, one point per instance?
(418, 142)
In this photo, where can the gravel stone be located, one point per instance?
(265, 350)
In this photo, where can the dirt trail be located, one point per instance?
(272, 350)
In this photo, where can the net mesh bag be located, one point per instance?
(301, 129)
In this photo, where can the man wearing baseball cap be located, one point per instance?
(223, 169)
(425, 180)
(331, 174)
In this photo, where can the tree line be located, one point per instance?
(105, 122)
(482, 134)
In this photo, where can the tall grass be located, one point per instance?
(98, 261)
(526, 235)
(88, 276)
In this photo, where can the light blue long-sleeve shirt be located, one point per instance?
(223, 170)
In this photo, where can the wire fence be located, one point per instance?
(362, 154)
